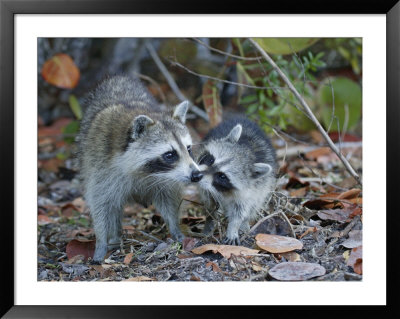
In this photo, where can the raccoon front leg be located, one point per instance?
(107, 227)
(169, 210)
(232, 233)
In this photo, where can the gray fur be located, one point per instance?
(123, 137)
(245, 155)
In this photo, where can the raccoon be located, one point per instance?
(238, 164)
(130, 150)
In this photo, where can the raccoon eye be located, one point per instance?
(189, 149)
(222, 176)
(207, 159)
(171, 156)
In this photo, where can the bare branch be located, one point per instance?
(175, 63)
(307, 110)
(172, 83)
(239, 57)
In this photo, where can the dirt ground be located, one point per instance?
(317, 207)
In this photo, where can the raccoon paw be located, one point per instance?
(232, 241)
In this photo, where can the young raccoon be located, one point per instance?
(238, 165)
(130, 150)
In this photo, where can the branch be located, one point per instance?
(172, 83)
(175, 63)
(307, 110)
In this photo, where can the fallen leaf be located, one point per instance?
(76, 259)
(277, 244)
(44, 219)
(352, 193)
(355, 260)
(61, 71)
(356, 212)
(79, 204)
(140, 278)
(314, 154)
(189, 243)
(214, 266)
(296, 271)
(128, 258)
(291, 256)
(354, 240)
(301, 192)
(295, 182)
(225, 250)
(340, 215)
(309, 230)
(80, 247)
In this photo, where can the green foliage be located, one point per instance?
(275, 104)
(349, 48)
(70, 131)
(343, 93)
(285, 45)
(75, 106)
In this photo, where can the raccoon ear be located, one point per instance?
(180, 111)
(235, 133)
(261, 168)
(140, 124)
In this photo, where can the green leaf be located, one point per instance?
(346, 92)
(75, 106)
(285, 45)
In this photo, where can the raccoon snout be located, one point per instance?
(196, 176)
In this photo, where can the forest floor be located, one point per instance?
(317, 208)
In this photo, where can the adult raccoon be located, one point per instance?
(130, 150)
(238, 165)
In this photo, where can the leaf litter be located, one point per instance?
(316, 205)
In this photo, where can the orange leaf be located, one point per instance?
(277, 244)
(61, 71)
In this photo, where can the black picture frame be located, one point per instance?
(8, 10)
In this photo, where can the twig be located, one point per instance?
(175, 63)
(307, 110)
(226, 53)
(172, 83)
(304, 149)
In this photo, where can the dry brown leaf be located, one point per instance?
(140, 278)
(277, 244)
(354, 240)
(80, 247)
(291, 256)
(295, 271)
(128, 258)
(352, 193)
(309, 230)
(225, 250)
(44, 219)
(340, 215)
(214, 266)
(355, 260)
(314, 154)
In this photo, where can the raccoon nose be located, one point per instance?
(196, 176)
